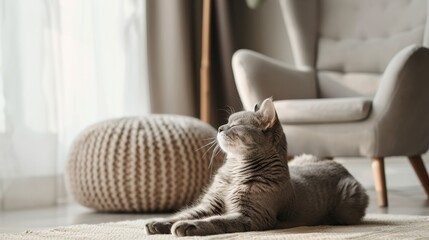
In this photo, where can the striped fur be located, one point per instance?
(255, 189)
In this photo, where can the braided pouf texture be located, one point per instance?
(156, 163)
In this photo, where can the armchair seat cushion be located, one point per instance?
(323, 110)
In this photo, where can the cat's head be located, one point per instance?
(253, 132)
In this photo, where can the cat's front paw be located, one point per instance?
(184, 228)
(158, 227)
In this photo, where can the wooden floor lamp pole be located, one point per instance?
(205, 63)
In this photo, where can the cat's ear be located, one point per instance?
(268, 113)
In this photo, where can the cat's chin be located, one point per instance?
(228, 146)
(222, 141)
(225, 143)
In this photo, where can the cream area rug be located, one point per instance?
(375, 226)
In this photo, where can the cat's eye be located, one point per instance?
(235, 125)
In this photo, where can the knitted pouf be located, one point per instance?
(156, 163)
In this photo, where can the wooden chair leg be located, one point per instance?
(420, 170)
(379, 180)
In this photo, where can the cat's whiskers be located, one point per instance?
(210, 143)
(229, 111)
(213, 144)
(209, 139)
(215, 152)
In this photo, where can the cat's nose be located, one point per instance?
(221, 128)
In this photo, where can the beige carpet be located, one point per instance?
(375, 226)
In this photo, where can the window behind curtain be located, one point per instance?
(64, 65)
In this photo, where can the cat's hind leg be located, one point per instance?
(352, 202)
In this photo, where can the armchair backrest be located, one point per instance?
(350, 42)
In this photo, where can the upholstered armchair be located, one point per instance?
(359, 85)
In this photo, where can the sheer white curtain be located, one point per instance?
(64, 65)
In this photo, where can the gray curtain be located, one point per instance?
(174, 49)
(225, 96)
(171, 56)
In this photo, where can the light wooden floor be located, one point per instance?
(405, 197)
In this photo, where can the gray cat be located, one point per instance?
(255, 190)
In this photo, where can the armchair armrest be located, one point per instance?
(258, 77)
(401, 104)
